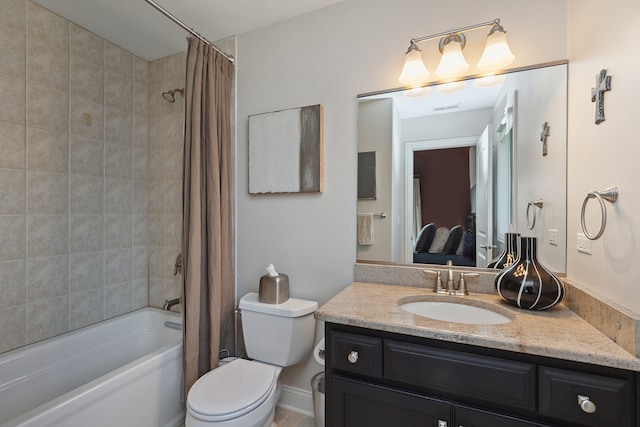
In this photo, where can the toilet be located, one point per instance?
(244, 393)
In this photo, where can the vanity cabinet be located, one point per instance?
(377, 378)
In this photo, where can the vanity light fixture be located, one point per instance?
(496, 55)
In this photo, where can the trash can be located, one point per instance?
(317, 388)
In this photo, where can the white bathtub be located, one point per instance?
(123, 372)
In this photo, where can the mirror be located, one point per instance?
(475, 158)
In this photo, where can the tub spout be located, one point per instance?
(168, 303)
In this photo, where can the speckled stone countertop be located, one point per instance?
(557, 332)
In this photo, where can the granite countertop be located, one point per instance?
(557, 332)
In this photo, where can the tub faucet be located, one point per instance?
(168, 303)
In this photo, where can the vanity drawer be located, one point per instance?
(461, 375)
(358, 354)
(610, 399)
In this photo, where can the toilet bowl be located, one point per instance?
(244, 393)
(241, 393)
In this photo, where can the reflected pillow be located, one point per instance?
(453, 241)
(439, 240)
(425, 237)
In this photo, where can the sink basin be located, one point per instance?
(455, 312)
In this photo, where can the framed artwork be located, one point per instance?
(285, 151)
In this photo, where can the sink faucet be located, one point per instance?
(451, 288)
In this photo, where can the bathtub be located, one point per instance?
(123, 372)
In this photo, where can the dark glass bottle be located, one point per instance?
(509, 254)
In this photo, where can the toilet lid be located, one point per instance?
(232, 390)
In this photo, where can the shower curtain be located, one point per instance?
(207, 278)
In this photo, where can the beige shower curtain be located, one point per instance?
(207, 278)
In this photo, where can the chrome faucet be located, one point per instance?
(168, 303)
(451, 288)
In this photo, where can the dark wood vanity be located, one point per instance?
(379, 378)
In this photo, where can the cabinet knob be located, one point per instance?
(353, 356)
(586, 405)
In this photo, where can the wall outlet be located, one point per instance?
(583, 244)
(552, 237)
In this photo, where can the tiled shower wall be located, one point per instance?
(166, 130)
(73, 177)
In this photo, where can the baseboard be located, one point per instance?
(296, 400)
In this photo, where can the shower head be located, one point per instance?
(170, 96)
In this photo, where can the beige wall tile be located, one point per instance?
(12, 88)
(140, 230)
(155, 198)
(13, 14)
(172, 230)
(172, 197)
(47, 108)
(118, 299)
(119, 62)
(86, 271)
(47, 65)
(172, 163)
(117, 232)
(86, 45)
(140, 293)
(156, 292)
(47, 150)
(169, 262)
(118, 91)
(12, 51)
(155, 163)
(156, 262)
(12, 145)
(140, 263)
(140, 202)
(86, 308)
(47, 278)
(47, 318)
(140, 163)
(87, 156)
(86, 79)
(86, 118)
(118, 126)
(87, 233)
(48, 193)
(155, 230)
(156, 129)
(47, 235)
(12, 191)
(173, 125)
(175, 70)
(86, 195)
(118, 161)
(13, 242)
(13, 283)
(118, 195)
(141, 71)
(45, 25)
(118, 266)
(14, 327)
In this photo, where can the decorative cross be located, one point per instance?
(603, 84)
(543, 137)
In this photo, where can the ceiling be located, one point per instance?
(139, 28)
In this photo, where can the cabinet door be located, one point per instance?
(468, 417)
(356, 403)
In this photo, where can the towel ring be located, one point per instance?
(538, 204)
(610, 194)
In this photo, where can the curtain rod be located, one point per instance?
(184, 26)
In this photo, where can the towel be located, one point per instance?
(365, 229)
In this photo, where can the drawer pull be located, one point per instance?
(586, 405)
(442, 423)
(352, 357)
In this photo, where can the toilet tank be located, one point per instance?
(279, 334)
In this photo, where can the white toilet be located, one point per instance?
(244, 393)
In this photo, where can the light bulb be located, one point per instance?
(452, 63)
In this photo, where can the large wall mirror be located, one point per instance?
(458, 165)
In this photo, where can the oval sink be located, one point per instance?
(455, 312)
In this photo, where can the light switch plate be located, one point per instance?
(552, 237)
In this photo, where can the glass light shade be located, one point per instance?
(489, 81)
(452, 63)
(414, 72)
(417, 92)
(451, 87)
(496, 53)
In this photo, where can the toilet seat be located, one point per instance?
(232, 390)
